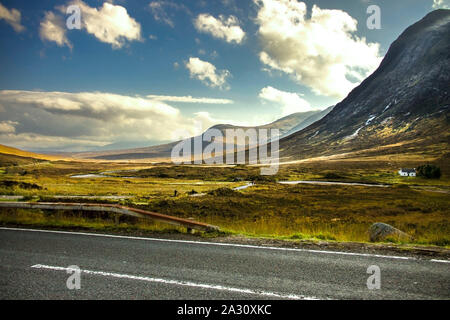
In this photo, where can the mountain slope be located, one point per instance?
(308, 121)
(286, 125)
(25, 154)
(405, 101)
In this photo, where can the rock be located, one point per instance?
(381, 231)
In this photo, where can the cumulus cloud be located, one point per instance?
(224, 28)
(64, 121)
(31, 141)
(441, 4)
(189, 99)
(53, 29)
(290, 102)
(12, 17)
(321, 52)
(160, 14)
(110, 24)
(79, 121)
(207, 73)
(8, 126)
(88, 104)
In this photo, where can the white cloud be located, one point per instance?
(441, 4)
(222, 28)
(81, 121)
(8, 126)
(290, 102)
(52, 28)
(12, 17)
(207, 73)
(321, 52)
(31, 141)
(89, 104)
(160, 14)
(189, 99)
(110, 24)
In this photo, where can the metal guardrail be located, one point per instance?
(189, 224)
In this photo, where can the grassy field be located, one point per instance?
(417, 206)
(341, 213)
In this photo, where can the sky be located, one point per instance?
(125, 74)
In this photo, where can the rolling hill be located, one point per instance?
(25, 154)
(286, 125)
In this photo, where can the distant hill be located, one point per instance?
(308, 121)
(25, 154)
(286, 125)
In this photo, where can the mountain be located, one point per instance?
(286, 125)
(308, 121)
(403, 107)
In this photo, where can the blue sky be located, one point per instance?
(66, 90)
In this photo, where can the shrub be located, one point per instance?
(262, 178)
(297, 236)
(332, 175)
(227, 192)
(429, 171)
(21, 185)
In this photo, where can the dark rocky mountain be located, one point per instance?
(403, 105)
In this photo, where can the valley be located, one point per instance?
(338, 167)
(336, 202)
(222, 150)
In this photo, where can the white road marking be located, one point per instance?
(180, 283)
(220, 244)
(442, 261)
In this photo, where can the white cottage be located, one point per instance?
(405, 172)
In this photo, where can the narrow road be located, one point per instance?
(34, 266)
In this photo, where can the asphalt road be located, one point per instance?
(33, 265)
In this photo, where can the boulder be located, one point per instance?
(381, 231)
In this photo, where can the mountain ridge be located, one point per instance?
(406, 97)
(285, 124)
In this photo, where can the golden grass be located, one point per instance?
(340, 213)
(17, 152)
(80, 220)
